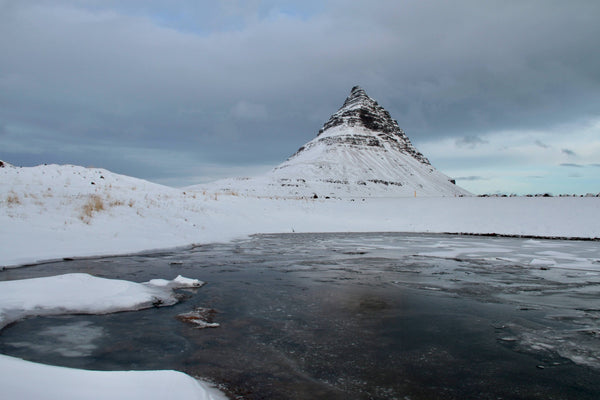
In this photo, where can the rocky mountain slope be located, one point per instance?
(360, 152)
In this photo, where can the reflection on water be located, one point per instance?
(350, 316)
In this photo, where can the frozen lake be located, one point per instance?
(342, 316)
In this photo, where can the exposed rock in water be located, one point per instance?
(200, 317)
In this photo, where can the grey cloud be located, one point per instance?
(246, 110)
(471, 178)
(470, 141)
(127, 74)
(541, 144)
(569, 152)
(572, 165)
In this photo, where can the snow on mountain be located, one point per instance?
(359, 152)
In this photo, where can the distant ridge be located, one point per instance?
(360, 152)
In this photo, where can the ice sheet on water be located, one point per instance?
(75, 339)
(579, 346)
(536, 253)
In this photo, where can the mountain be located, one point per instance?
(360, 152)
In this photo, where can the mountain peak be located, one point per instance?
(357, 95)
(360, 117)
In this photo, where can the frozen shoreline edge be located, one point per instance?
(194, 245)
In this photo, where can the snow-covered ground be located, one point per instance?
(21, 379)
(83, 293)
(50, 212)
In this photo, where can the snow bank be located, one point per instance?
(21, 379)
(51, 212)
(84, 294)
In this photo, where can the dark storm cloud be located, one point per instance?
(249, 82)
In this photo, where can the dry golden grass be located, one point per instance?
(93, 204)
(13, 199)
(116, 203)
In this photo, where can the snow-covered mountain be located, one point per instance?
(359, 152)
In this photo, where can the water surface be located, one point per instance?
(361, 316)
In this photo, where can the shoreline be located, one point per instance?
(195, 245)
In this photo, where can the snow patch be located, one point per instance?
(82, 293)
(26, 380)
(542, 262)
(178, 282)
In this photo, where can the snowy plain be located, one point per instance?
(53, 212)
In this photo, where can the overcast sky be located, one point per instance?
(502, 95)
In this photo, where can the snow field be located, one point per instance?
(138, 216)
